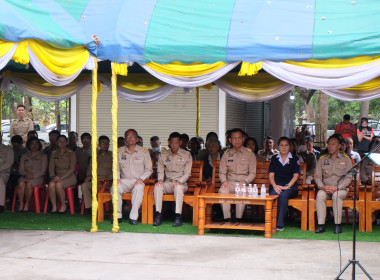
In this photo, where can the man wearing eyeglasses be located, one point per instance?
(134, 165)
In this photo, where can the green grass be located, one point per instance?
(77, 222)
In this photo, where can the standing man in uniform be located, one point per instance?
(237, 166)
(104, 160)
(174, 168)
(6, 161)
(21, 125)
(133, 167)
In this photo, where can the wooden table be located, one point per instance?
(205, 212)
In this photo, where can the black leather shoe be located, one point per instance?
(320, 229)
(177, 221)
(239, 220)
(133, 222)
(87, 211)
(337, 229)
(1, 208)
(227, 220)
(157, 220)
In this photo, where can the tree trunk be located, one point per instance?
(323, 115)
(364, 109)
(310, 112)
(57, 116)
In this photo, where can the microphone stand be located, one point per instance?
(353, 171)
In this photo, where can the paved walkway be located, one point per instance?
(27, 254)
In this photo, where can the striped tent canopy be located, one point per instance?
(331, 45)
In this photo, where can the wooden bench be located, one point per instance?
(372, 202)
(104, 196)
(194, 184)
(347, 202)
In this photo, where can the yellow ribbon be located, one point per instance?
(94, 227)
(250, 69)
(198, 128)
(180, 69)
(121, 69)
(115, 227)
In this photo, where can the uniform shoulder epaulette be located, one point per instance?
(248, 149)
(54, 151)
(322, 156)
(227, 151)
(69, 150)
(119, 149)
(143, 150)
(347, 156)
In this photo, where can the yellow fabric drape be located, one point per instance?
(94, 227)
(121, 69)
(5, 47)
(260, 81)
(21, 54)
(115, 227)
(61, 61)
(177, 68)
(370, 85)
(335, 63)
(198, 127)
(250, 69)
(138, 81)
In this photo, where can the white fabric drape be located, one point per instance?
(46, 93)
(53, 78)
(253, 95)
(141, 96)
(7, 57)
(317, 78)
(353, 95)
(190, 82)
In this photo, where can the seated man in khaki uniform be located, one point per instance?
(104, 160)
(6, 161)
(21, 125)
(237, 166)
(268, 150)
(133, 167)
(174, 168)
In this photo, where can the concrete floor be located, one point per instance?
(27, 254)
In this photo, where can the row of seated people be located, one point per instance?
(66, 178)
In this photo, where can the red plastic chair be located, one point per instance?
(69, 196)
(36, 194)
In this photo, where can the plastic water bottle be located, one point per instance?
(249, 190)
(263, 191)
(243, 190)
(237, 190)
(255, 191)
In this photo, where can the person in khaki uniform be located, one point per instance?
(83, 156)
(268, 150)
(62, 173)
(33, 166)
(104, 160)
(237, 166)
(21, 125)
(330, 167)
(174, 168)
(133, 167)
(6, 161)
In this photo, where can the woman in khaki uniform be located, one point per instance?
(62, 173)
(33, 167)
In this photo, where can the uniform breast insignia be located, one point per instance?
(244, 159)
(342, 163)
(167, 159)
(138, 158)
(124, 156)
(326, 161)
(230, 160)
(181, 159)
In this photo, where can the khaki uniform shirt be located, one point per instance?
(21, 127)
(329, 170)
(62, 165)
(36, 165)
(267, 155)
(104, 165)
(135, 165)
(83, 159)
(238, 166)
(6, 159)
(310, 160)
(174, 167)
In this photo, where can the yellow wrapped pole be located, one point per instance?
(94, 227)
(1, 108)
(198, 127)
(115, 227)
